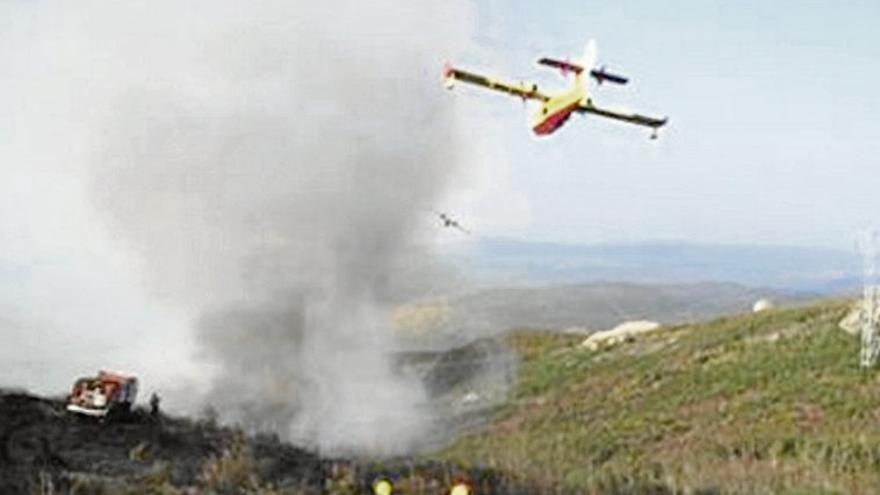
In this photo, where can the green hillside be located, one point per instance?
(773, 402)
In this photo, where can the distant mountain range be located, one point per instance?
(505, 262)
(598, 306)
(578, 308)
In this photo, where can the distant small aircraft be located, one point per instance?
(450, 222)
(557, 108)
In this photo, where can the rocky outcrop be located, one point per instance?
(621, 333)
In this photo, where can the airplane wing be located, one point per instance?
(459, 227)
(524, 91)
(624, 115)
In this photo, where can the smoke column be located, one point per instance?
(270, 163)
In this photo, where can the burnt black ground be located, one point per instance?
(41, 444)
(38, 438)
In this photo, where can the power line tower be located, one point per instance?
(869, 245)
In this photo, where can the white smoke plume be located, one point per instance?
(271, 163)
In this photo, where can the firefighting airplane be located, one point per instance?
(557, 108)
(448, 221)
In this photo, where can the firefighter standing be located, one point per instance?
(154, 405)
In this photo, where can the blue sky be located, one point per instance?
(773, 121)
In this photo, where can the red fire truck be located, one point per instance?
(107, 393)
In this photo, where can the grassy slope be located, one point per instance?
(767, 403)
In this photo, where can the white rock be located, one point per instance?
(470, 397)
(762, 305)
(854, 320)
(621, 333)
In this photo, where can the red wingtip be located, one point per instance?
(448, 76)
(447, 70)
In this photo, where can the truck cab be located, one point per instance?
(106, 393)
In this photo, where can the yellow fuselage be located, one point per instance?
(558, 108)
